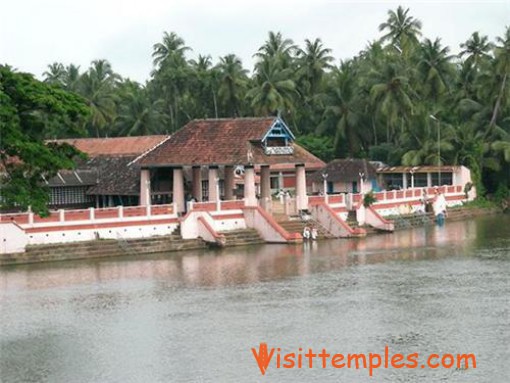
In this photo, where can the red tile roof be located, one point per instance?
(223, 142)
(115, 146)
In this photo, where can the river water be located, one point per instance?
(194, 316)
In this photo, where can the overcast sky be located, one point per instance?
(35, 33)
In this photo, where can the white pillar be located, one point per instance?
(429, 179)
(404, 181)
(229, 183)
(250, 198)
(412, 180)
(145, 187)
(280, 180)
(301, 197)
(197, 183)
(178, 189)
(325, 190)
(213, 190)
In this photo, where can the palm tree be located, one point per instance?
(233, 81)
(72, 77)
(342, 111)
(138, 114)
(421, 143)
(171, 75)
(502, 69)
(402, 30)
(313, 61)
(390, 93)
(278, 49)
(274, 90)
(435, 68)
(206, 85)
(55, 74)
(97, 85)
(477, 49)
(171, 49)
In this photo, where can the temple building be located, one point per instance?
(221, 159)
(351, 175)
(108, 177)
(405, 177)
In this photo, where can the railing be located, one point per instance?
(278, 150)
(88, 215)
(215, 206)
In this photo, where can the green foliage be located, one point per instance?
(369, 199)
(321, 147)
(27, 109)
(481, 202)
(376, 105)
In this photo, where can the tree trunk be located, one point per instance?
(215, 103)
(498, 102)
(375, 131)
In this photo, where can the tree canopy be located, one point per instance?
(376, 105)
(30, 112)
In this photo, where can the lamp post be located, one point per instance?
(325, 186)
(438, 147)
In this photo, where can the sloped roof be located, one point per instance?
(115, 146)
(115, 175)
(223, 142)
(345, 170)
(78, 177)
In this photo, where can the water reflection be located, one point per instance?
(193, 316)
(249, 264)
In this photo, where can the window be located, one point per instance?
(420, 180)
(394, 181)
(446, 179)
(69, 195)
(275, 182)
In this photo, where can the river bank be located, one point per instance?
(106, 248)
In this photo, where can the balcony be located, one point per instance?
(278, 150)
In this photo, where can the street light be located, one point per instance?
(438, 147)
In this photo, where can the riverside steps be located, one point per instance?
(101, 248)
(96, 233)
(242, 237)
(297, 226)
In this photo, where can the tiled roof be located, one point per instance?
(114, 176)
(115, 146)
(223, 142)
(345, 170)
(78, 177)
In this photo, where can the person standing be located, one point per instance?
(314, 233)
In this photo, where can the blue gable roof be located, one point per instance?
(279, 130)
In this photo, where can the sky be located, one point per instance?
(35, 33)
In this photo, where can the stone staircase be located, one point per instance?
(353, 223)
(242, 237)
(297, 226)
(102, 248)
